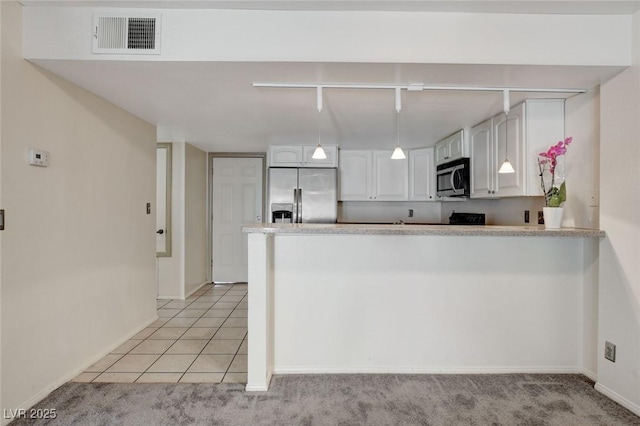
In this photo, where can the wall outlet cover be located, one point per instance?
(610, 351)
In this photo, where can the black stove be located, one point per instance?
(466, 219)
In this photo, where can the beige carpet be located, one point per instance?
(510, 399)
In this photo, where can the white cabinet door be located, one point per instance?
(456, 145)
(391, 177)
(450, 148)
(355, 175)
(441, 153)
(510, 184)
(330, 161)
(421, 175)
(482, 162)
(285, 156)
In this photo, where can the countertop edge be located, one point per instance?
(458, 230)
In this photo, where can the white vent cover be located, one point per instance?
(138, 35)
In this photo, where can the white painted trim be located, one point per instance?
(634, 408)
(55, 385)
(260, 387)
(169, 298)
(427, 370)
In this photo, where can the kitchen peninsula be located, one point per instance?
(420, 299)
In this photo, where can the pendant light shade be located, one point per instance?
(506, 166)
(319, 153)
(398, 153)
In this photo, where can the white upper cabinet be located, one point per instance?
(483, 170)
(301, 156)
(450, 148)
(533, 126)
(510, 184)
(372, 176)
(285, 156)
(355, 175)
(422, 185)
(391, 177)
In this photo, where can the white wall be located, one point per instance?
(185, 270)
(1, 206)
(582, 161)
(428, 304)
(195, 219)
(78, 252)
(387, 37)
(619, 298)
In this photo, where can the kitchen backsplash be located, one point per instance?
(503, 211)
(388, 212)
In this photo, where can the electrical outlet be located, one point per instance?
(410, 212)
(526, 216)
(610, 351)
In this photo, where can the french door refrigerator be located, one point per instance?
(306, 195)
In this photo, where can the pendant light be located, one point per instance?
(506, 166)
(319, 153)
(398, 153)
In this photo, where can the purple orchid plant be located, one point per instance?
(548, 161)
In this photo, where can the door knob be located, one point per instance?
(258, 218)
(160, 231)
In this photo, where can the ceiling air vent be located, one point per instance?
(137, 35)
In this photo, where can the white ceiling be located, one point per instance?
(214, 106)
(599, 7)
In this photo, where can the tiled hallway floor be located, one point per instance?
(202, 339)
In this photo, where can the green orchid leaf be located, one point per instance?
(562, 194)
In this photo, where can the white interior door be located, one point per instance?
(236, 199)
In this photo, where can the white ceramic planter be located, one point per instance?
(553, 217)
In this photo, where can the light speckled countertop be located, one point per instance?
(453, 230)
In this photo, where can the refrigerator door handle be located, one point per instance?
(300, 205)
(295, 206)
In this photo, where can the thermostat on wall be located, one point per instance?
(38, 157)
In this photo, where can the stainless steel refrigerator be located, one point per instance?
(303, 195)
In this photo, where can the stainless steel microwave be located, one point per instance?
(453, 179)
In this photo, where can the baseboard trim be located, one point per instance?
(260, 387)
(590, 374)
(631, 406)
(426, 370)
(55, 385)
(195, 289)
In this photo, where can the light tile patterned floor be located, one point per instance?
(202, 339)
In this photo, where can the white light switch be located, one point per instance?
(38, 157)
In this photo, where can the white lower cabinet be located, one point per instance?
(532, 126)
(367, 175)
(422, 185)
